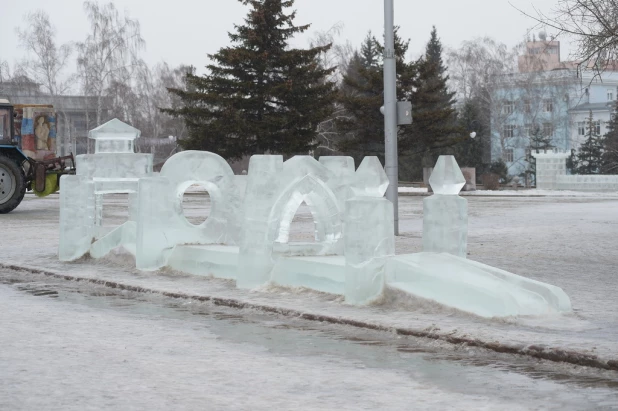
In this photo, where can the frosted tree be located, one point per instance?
(109, 53)
(592, 23)
(45, 60)
(45, 64)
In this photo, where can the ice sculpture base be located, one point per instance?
(473, 287)
(219, 261)
(452, 281)
(325, 274)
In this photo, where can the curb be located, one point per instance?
(554, 354)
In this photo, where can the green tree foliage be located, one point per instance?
(433, 106)
(361, 95)
(589, 157)
(369, 55)
(469, 152)
(259, 95)
(610, 146)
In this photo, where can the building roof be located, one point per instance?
(605, 106)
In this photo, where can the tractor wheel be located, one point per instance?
(12, 184)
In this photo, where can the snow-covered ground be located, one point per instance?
(76, 354)
(75, 346)
(520, 192)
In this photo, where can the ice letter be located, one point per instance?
(255, 259)
(445, 214)
(369, 241)
(161, 224)
(77, 214)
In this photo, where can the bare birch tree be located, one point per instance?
(109, 53)
(46, 60)
(45, 63)
(339, 56)
(592, 23)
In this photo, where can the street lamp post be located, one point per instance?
(390, 110)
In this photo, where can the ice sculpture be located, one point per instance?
(247, 239)
(551, 175)
(113, 168)
(161, 222)
(274, 192)
(369, 242)
(445, 214)
(472, 286)
(77, 217)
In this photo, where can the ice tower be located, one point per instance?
(445, 214)
(114, 168)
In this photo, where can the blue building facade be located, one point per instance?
(556, 102)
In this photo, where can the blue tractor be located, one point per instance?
(27, 153)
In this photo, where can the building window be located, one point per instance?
(610, 94)
(548, 129)
(581, 128)
(548, 105)
(527, 106)
(597, 127)
(507, 155)
(509, 130)
(509, 107)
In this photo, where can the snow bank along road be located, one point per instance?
(569, 242)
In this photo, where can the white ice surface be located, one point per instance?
(445, 224)
(473, 287)
(446, 177)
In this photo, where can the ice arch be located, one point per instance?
(274, 191)
(324, 208)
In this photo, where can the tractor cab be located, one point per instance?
(28, 159)
(7, 129)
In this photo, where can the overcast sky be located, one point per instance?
(185, 31)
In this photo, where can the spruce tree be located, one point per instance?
(538, 141)
(610, 145)
(369, 54)
(433, 105)
(259, 95)
(361, 95)
(589, 157)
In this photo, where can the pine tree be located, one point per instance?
(259, 95)
(589, 157)
(610, 145)
(361, 94)
(433, 105)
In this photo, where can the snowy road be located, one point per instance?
(70, 349)
(73, 346)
